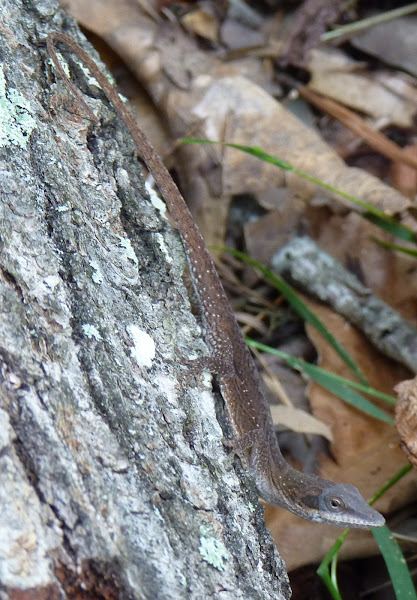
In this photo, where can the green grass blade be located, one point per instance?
(396, 564)
(335, 384)
(392, 481)
(373, 214)
(300, 307)
(402, 249)
(347, 394)
(368, 22)
(326, 569)
(391, 226)
(366, 389)
(298, 363)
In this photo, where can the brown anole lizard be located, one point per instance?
(278, 483)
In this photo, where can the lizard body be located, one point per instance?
(308, 496)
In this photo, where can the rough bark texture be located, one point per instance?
(114, 482)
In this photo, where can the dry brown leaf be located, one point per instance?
(376, 140)
(252, 321)
(354, 432)
(383, 95)
(267, 234)
(300, 421)
(201, 23)
(246, 114)
(406, 418)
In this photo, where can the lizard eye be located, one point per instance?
(335, 503)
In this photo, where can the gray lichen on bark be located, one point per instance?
(112, 468)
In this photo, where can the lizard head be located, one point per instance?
(307, 495)
(338, 504)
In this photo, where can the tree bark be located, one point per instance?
(114, 482)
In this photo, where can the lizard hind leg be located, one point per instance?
(243, 444)
(196, 366)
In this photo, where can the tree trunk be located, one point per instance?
(114, 482)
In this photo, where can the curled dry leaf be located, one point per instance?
(300, 421)
(406, 418)
(384, 95)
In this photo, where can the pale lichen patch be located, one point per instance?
(16, 121)
(63, 208)
(167, 386)
(213, 551)
(154, 198)
(63, 64)
(163, 247)
(91, 331)
(125, 243)
(143, 349)
(51, 282)
(97, 275)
